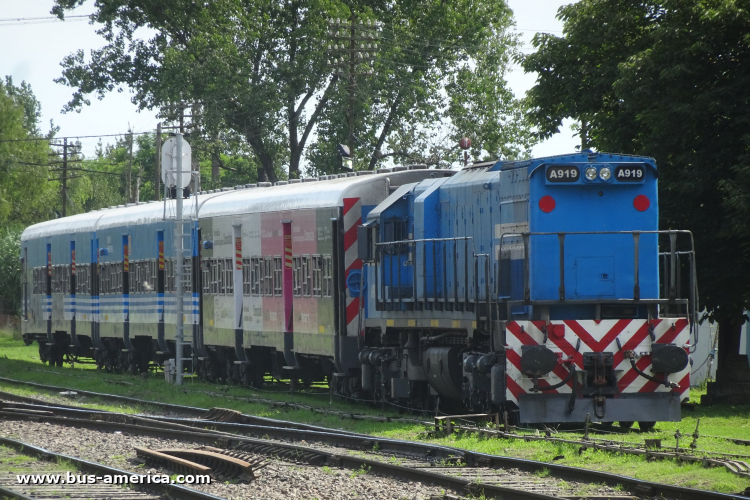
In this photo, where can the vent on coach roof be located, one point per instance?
(295, 181)
(351, 174)
(418, 166)
(384, 170)
(226, 189)
(365, 172)
(251, 185)
(310, 179)
(264, 184)
(281, 183)
(400, 168)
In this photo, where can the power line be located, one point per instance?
(47, 139)
(45, 18)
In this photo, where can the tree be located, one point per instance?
(670, 79)
(23, 158)
(260, 69)
(10, 269)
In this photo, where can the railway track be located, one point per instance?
(9, 487)
(447, 467)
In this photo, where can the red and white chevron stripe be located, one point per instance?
(352, 219)
(595, 336)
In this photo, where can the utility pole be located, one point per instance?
(179, 338)
(157, 164)
(130, 167)
(355, 45)
(62, 168)
(65, 178)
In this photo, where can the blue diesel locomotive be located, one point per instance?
(540, 287)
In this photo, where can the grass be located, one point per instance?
(716, 422)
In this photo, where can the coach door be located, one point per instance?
(25, 305)
(287, 292)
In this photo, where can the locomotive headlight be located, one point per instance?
(605, 173)
(591, 173)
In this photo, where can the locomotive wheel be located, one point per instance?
(646, 426)
(625, 425)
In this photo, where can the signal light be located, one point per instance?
(641, 203)
(546, 204)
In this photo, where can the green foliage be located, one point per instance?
(670, 79)
(10, 269)
(25, 196)
(262, 76)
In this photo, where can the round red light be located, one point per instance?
(547, 204)
(641, 203)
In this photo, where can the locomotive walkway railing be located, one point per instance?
(672, 278)
(404, 287)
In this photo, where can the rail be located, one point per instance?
(234, 439)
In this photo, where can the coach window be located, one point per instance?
(297, 275)
(317, 275)
(187, 275)
(245, 276)
(277, 276)
(228, 276)
(268, 277)
(327, 276)
(220, 272)
(306, 284)
(255, 276)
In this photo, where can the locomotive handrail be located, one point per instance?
(392, 299)
(672, 293)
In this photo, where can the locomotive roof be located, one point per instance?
(302, 195)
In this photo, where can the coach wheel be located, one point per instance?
(625, 425)
(252, 375)
(646, 426)
(43, 352)
(54, 355)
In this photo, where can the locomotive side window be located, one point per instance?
(327, 276)
(562, 173)
(278, 280)
(630, 173)
(317, 275)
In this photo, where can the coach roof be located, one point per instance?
(304, 195)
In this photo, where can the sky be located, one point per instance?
(32, 50)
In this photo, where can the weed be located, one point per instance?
(544, 472)
(327, 470)
(363, 469)
(376, 447)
